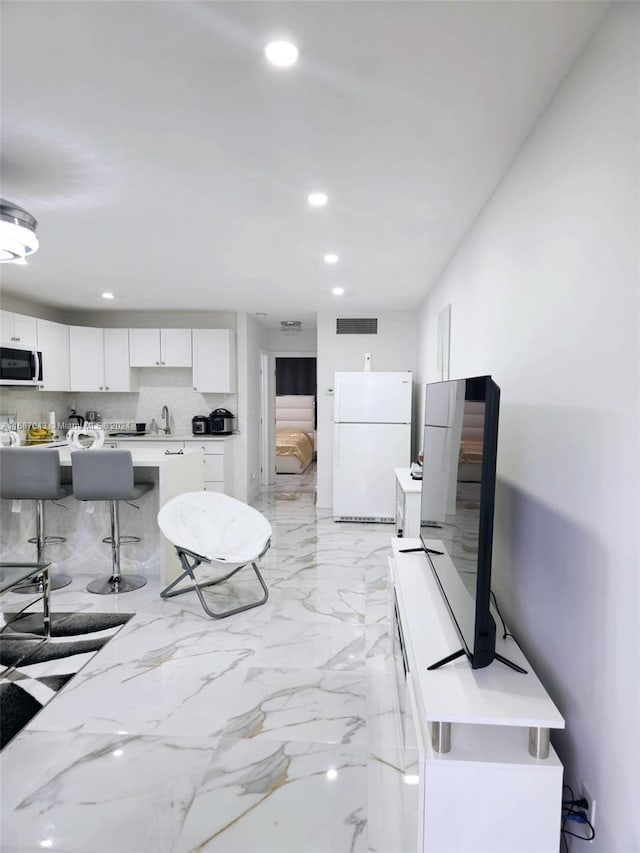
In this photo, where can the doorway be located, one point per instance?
(296, 416)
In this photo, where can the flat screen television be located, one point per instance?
(457, 506)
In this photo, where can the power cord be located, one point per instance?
(505, 633)
(574, 809)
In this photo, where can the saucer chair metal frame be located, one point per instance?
(190, 561)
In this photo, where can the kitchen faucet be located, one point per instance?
(165, 416)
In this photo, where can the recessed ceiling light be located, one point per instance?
(107, 295)
(281, 53)
(338, 291)
(317, 199)
(331, 258)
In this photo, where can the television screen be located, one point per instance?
(457, 500)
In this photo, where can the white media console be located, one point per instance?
(476, 742)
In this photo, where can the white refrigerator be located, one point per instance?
(371, 437)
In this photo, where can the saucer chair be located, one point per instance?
(214, 529)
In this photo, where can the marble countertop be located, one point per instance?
(174, 436)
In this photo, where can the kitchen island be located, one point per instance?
(85, 524)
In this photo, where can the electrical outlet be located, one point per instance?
(591, 804)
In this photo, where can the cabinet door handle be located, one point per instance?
(157, 362)
(106, 387)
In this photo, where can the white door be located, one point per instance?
(175, 347)
(214, 361)
(372, 397)
(144, 347)
(86, 358)
(117, 373)
(53, 342)
(364, 457)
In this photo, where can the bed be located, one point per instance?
(295, 432)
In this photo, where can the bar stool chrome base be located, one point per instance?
(116, 584)
(124, 540)
(36, 587)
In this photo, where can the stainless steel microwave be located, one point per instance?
(20, 366)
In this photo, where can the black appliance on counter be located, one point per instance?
(221, 422)
(200, 425)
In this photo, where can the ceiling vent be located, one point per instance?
(348, 326)
(290, 326)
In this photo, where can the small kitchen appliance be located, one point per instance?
(20, 366)
(200, 425)
(221, 422)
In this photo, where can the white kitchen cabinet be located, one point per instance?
(218, 465)
(53, 343)
(166, 446)
(160, 347)
(17, 329)
(99, 360)
(214, 361)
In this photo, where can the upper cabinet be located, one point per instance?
(99, 359)
(214, 361)
(160, 347)
(17, 329)
(53, 343)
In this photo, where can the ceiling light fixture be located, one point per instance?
(283, 54)
(17, 232)
(338, 291)
(331, 258)
(107, 295)
(317, 199)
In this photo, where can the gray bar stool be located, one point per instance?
(33, 474)
(107, 475)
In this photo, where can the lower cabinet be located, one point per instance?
(218, 458)
(218, 468)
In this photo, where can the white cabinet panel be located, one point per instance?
(218, 464)
(99, 359)
(160, 347)
(214, 361)
(17, 329)
(117, 373)
(53, 343)
(175, 347)
(132, 443)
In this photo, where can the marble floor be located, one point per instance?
(272, 730)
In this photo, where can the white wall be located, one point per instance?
(303, 341)
(544, 294)
(252, 338)
(393, 348)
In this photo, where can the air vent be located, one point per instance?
(290, 326)
(348, 326)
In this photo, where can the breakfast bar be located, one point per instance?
(85, 524)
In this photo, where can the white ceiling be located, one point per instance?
(167, 162)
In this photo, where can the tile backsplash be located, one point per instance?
(170, 386)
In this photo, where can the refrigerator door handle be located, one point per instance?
(336, 449)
